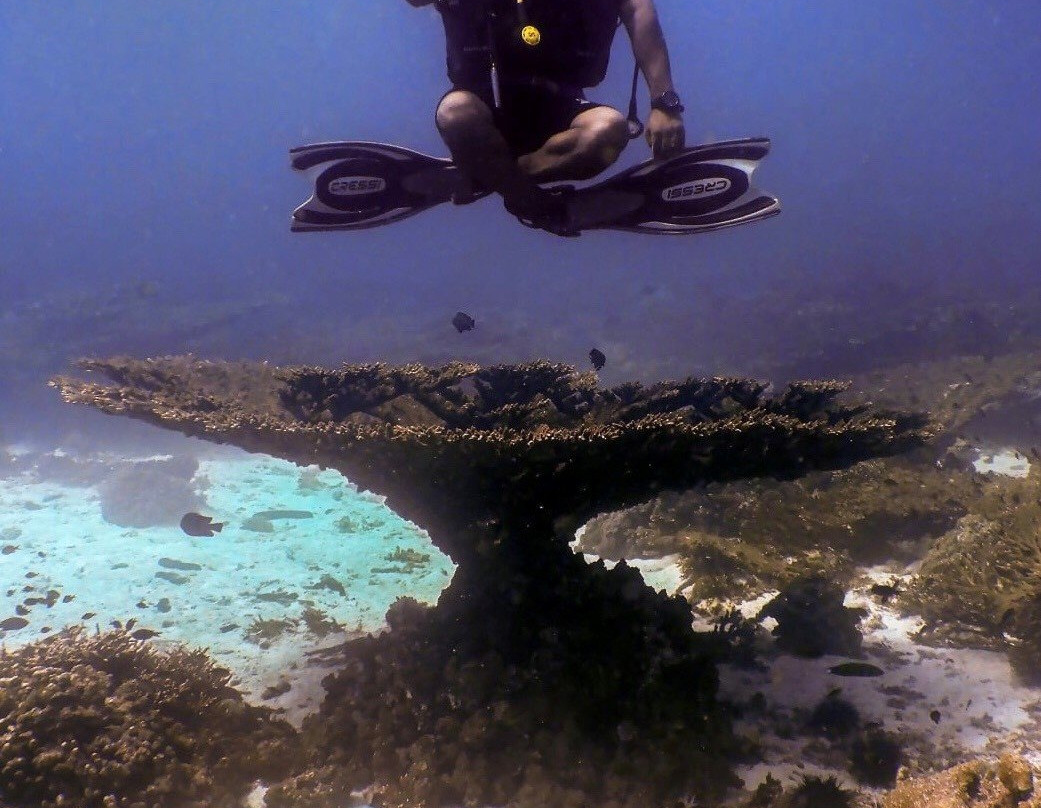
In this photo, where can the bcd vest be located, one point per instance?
(573, 47)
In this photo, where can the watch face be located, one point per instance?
(669, 102)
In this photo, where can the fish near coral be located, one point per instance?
(856, 669)
(598, 359)
(195, 524)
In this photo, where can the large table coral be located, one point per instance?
(462, 450)
(537, 679)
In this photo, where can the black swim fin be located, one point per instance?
(359, 185)
(701, 189)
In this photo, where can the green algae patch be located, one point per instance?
(742, 539)
(972, 576)
(980, 571)
(261, 631)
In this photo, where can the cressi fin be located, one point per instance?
(701, 189)
(359, 185)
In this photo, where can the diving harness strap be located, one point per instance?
(531, 36)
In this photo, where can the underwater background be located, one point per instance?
(145, 194)
(144, 154)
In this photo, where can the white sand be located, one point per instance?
(1005, 462)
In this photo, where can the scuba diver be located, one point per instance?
(517, 119)
(517, 116)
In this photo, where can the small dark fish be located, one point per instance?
(856, 669)
(144, 634)
(598, 359)
(68, 599)
(130, 624)
(20, 610)
(935, 716)
(463, 322)
(195, 524)
(884, 592)
(13, 623)
(88, 615)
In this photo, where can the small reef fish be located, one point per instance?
(463, 322)
(13, 623)
(935, 716)
(598, 359)
(856, 669)
(885, 592)
(195, 524)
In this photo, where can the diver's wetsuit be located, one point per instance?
(541, 87)
(531, 113)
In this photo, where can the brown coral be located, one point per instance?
(538, 679)
(457, 445)
(977, 784)
(105, 721)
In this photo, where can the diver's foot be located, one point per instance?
(466, 191)
(547, 210)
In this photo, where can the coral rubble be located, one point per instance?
(537, 679)
(977, 784)
(105, 721)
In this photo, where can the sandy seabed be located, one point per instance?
(945, 705)
(265, 604)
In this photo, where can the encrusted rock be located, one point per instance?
(977, 784)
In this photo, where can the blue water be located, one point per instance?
(147, 143)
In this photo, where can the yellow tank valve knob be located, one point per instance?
(531, 36)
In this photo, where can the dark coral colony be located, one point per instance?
(537, 679)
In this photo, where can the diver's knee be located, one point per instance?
(604, 138)
(460, 109)
(611, 135)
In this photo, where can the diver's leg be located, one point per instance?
(592, 143)
(478, 147)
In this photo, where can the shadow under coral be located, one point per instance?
(538, 678)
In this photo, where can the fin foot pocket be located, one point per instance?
(550, 211)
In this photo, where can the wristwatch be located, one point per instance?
(669, 102)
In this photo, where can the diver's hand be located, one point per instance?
(666, 134)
